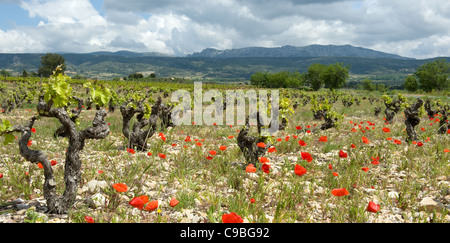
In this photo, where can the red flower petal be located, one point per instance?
(120, 187)
(300, 170)
(232, 218)
(339, 192)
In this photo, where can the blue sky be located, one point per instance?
(416, 29)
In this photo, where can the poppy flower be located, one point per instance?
(446, 150)
(330, 166)
(209, 158)
(286, 138)
(163, 138)
(162, 156)
(230, 137)
(423, 129)
(339, 192)
(173, 202)
(261, 145)
(263, 160)
(29, 143)
(396, 141)
(223, 148)
(335, 174)
(385, 129)
(199, 144)
(323, 139)
(53, 162)
(250, 168)
(353, 146)
(302, 143)
(365, 140)
(131, 151)
(271, 150)
(33, 130)
(373, 207)
(279, 139)
(120, 187)
(174, 144)
(298, 127)
(252, 200)
(149, 154)
(40, 165)
(342, 154)
(375, 160)
(212, 152)
(151, 206)
(448, 131)
(144, 198)
(365, 169)
(187, 139)
(88, 219)
(100, 171)
(1, 175)
(232, 218)
(389, 139)
(299, 170)
(306, 156)
(137, 203)
(420, 144)
(266, 168)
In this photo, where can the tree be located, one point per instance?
(49, 62)
(434, 75)
(411, 83)
(335, 76)
(368, 85)
(314, 76)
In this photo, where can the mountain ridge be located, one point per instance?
(293, 51)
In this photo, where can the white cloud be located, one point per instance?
(416, 29)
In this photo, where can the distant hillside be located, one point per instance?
(292, 51)
(381, 67)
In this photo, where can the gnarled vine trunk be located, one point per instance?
(412, 120)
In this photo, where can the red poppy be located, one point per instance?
(423, 129)
(306, 156)
(302, 143)
(1, 175)
(33, 130)
(230, 137)
(223, 148)
(173, 202)
(250, 168)
(339, 192)
(286, 138)
(300, 170)
(446, 150)
(375, 160)
(131, 151)
(232, 218)
(279, 139)
(266, 168)
(342, 154)
(174, 144)
(271, 150)
(198, 144)
(396, 141)
(420, 144)
(137, 203)
(212, 152)
(29, 143)
(151, 206)
(353, 146)
(323, 139)
(187, 139)
(120, 187)
(209, 158)
(335, 174)
(149, 154)
(162, 156)
(252, 200)
(385, 129)
(100, 171)
(365, 169)
(53, 162)
(373, 207)
(88, 219)
(448, 131)
(144, 198)
(298, 127)
(365, 140)
(263, 160)
(330, 166)
(261, 145)
(40, 165)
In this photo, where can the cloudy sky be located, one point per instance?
(411, 28)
